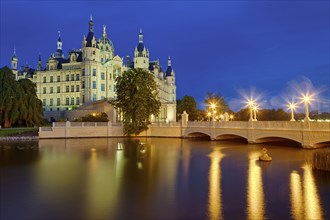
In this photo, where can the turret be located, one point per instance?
(14, 60)
(59, 52)
(39, 66)
(141, 54)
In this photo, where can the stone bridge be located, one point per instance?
(309, 134)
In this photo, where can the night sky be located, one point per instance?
(269, 47)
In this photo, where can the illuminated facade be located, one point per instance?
(88, 75)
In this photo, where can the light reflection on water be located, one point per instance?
(157, 179)
(215, 207)
(255, 190)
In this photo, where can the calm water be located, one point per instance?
(158, 179)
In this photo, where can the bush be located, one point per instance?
(94, 117)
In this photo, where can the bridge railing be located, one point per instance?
(283, 125)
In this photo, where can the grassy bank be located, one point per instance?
(5, 132)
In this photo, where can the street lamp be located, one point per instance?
(255, 108)
(306, 99)
(292, 107)
(250, 103)
(209, 115)
(231, 117)
(213, 111)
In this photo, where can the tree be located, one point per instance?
(137, 99)
(188, 104)
(243, 115)
(221, 105)
(31, 106)
(18, 101)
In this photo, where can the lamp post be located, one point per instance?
(306, 100)
(251, 104)
(209, 115)
(255, 108)
(213, 111)
(231, 117)
(292, 107)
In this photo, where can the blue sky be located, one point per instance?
(216, 46)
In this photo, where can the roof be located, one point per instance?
(89, 39)
(169, 71)
(140, 47)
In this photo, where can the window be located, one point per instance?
(58, 102)
(77, 101)
(77, 77)
(67, 78)
(67, 88)
(58, 78)
(83, 85)
(172, 91)
(94, 85)
(102, 87)
(51, 102)
(94, 97)
(44, 102)
(94, 72)
(51, 79)
(72, 101)
(58, 89)
(102, 97)
(72, 88)
(83, 98)
(102, 76)
(77, 88)
(44, 79)
(72, 77)
(51, 90)
(67, 101)
(83, 72)
(44, 90)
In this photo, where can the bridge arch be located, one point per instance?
(197, 134)
(230, 136)
(322, 144)
(269, 137)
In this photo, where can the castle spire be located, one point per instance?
(104, 30)
(140, 36)
(91, 24)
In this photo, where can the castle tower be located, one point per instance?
(59, 52)
(14, 60)
(106, 47)
(141, 54)
(170, 79)
(39, 65)
(90, 46)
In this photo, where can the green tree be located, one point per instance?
(188, 104)
(18, 101)
(31, 106)
(137, 99)
(221, 105)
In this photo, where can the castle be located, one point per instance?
(70, 87)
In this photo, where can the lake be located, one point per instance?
(159, 178)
